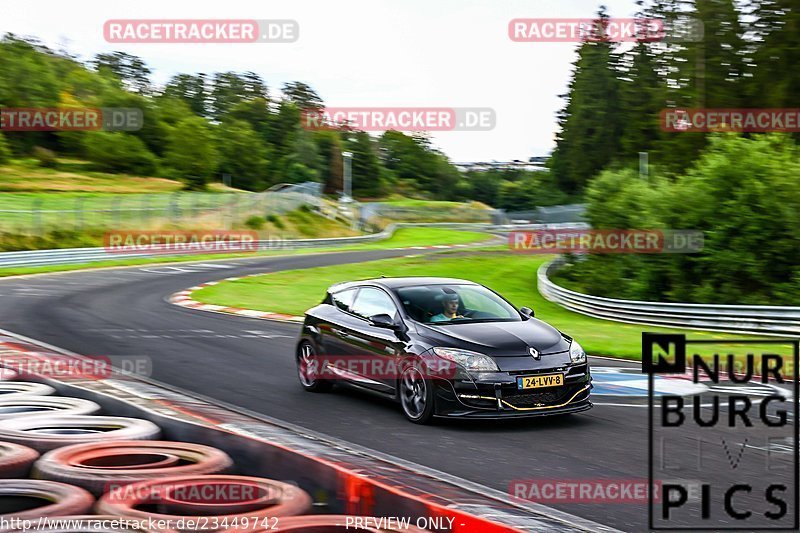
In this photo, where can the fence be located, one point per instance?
(218, 210)
(756, 319)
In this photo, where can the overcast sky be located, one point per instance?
(392, 53)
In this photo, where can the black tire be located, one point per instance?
(305, 356)
(415, 392)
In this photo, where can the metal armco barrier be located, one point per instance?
(66, 256)
(755, 319)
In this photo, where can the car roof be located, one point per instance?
(396, 283)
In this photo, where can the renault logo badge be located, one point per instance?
(534, 353)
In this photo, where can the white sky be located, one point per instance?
(391, 53)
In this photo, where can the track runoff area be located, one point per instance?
(662, 448)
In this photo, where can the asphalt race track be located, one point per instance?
(249, 362)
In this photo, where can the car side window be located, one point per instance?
(344, 299)
(372, 302)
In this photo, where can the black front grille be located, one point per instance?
(553, 396)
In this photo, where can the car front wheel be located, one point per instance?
(308, 369)
(416, 395)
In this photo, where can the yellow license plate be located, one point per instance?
(538, 382)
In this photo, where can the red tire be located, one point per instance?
(44, 432)
(8, 374)
(32, 498)
(90, 524)
(330, 524)
(16, 460)
(97, 466)
(188, 497)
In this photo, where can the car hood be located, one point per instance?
(498, 339)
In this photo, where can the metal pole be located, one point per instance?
(348, 174)
(643, 165)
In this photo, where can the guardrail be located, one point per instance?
(755, 319)
(66, 256)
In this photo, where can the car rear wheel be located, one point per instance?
(416, 395)
(308, 369)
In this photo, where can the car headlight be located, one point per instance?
(477, 362)
(576, 353)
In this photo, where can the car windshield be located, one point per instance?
(450, 304)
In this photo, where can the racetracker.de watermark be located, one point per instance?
(734, 120)
(605, 241)
(582, 490)
(89, 367)
(573, 30)
(401, 118)
(71, 119)
(372, 367)
(195, 31)
(199, 242)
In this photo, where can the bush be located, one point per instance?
(119, 152)
(255, 222)
(46, 158)
(742, 194)
(5, 151)
(276, 221)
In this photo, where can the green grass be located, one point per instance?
(416, 203)
(512, 275)
(401, 238)
(77, 176)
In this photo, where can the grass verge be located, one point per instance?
(512, 275)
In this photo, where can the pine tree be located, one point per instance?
(589, 123)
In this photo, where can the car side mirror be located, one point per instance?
(527, 312)
(384, 321)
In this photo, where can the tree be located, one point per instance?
(131, 71)
(229, 89)
(256, 113)
(366, 167)
(590, 124)
(701, 73)
(242, 155)
(641, 95)
(776, 80)
(192, 90)
(119, 152)
(329, 146)
(302, 96)
(192, 152)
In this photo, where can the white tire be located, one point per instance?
(48, 432)
(12, 390)
(46, 405)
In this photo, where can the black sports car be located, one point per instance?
(441, 347)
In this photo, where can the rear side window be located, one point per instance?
(344, 299)
(372, 302)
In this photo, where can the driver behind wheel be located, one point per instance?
(449, 303)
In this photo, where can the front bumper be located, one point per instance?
(496, 395)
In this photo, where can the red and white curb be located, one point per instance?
(184, 297)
